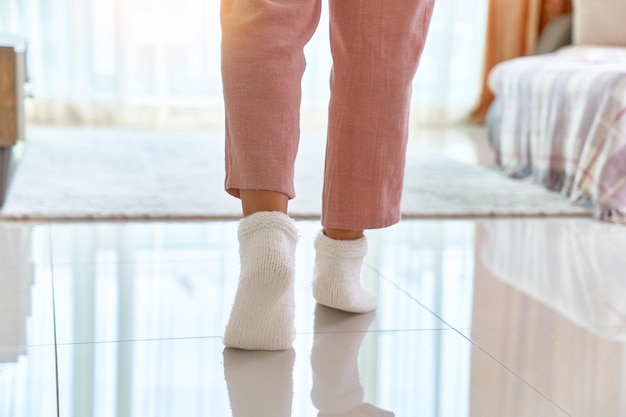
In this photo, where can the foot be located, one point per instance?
(337, 280)
(262, 317)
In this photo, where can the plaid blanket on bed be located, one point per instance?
(560, 119)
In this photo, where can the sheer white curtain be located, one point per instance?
(155, 63)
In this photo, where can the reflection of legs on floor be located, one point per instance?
(260, 384)
(337, 389)
(16, 278)
(337, 281)
(262, 317)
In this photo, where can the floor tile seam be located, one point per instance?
(212, 337)
(54, 325)
(125, 262)
(405, 292)
(30, 345)
(504, 366)
(158, 339)
(512, 372)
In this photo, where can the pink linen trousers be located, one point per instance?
(376, 46)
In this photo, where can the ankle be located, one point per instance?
(343, 234)
(254, 201)
(337, 275)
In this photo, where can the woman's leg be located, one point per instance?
(376, 47)
(262, 67)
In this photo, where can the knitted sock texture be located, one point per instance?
(337, 276)
(262, 317)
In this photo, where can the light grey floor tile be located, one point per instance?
(541, 301)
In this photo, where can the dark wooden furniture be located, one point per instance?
(12, 81)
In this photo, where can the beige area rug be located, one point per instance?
(106, 174)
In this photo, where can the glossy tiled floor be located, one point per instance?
(476, 318)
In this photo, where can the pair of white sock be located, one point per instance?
(262, 317)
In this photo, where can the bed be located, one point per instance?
(559, 119)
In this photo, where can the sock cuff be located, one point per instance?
(340, 248)
(268, 220)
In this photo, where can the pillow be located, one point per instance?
(600, 22)
(557, 33)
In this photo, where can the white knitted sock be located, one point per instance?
(262, 317)
(337, 280)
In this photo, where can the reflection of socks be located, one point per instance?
(365, 410)
(260, 384)
(337, 389)
(262, 317)
(337, 281)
